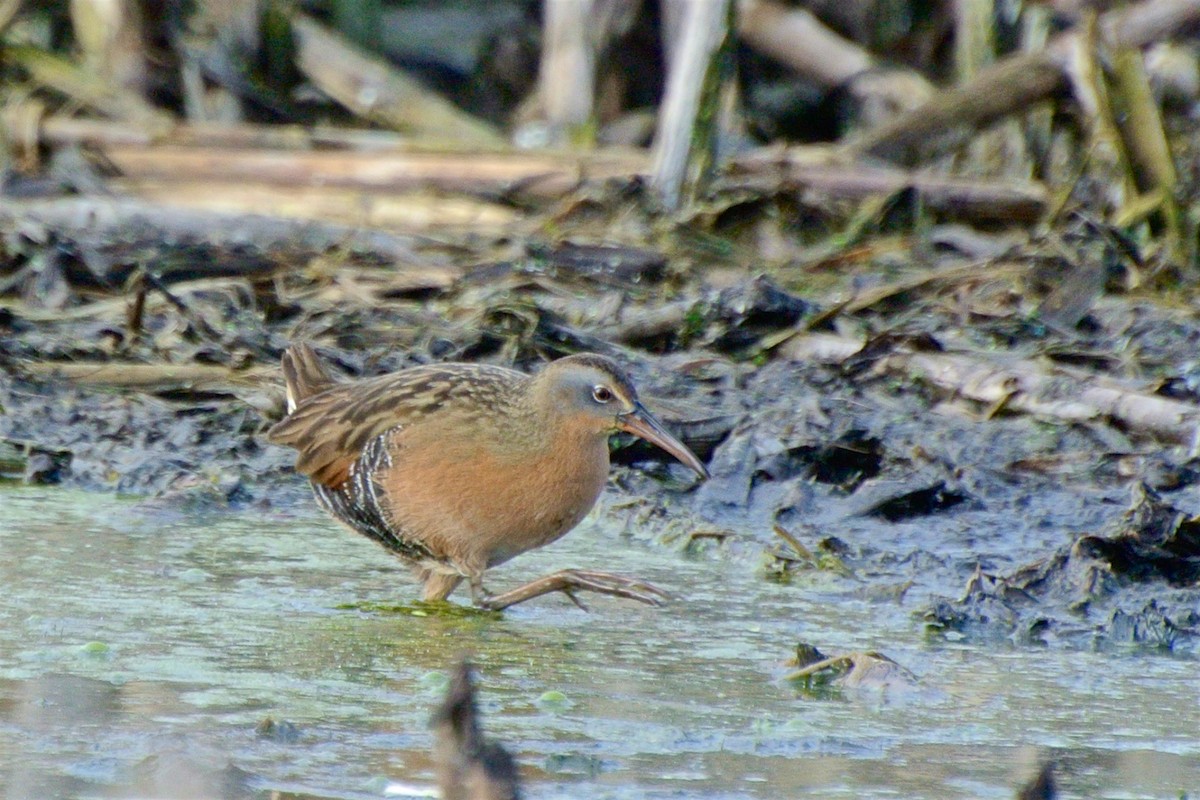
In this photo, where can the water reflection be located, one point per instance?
(141, 652)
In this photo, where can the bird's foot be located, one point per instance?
(570, 581)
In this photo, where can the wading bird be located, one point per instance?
(457, 468)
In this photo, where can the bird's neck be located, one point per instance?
(540, 424)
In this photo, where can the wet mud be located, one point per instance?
(825, 422)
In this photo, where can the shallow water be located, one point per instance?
(139, 651)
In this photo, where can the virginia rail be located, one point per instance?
(460, 467)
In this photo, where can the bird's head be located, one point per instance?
(595, 394)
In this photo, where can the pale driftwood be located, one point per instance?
(794, 36)
(1026, 386)
(957, 198)
(683, 141)
(416, 212)
(377, 91)
(544, 175)
(103, 222)
(1014, 84)
(1067, 395)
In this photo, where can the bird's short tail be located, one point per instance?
(303, 374)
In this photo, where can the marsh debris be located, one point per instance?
(948, 347)
(859, 672)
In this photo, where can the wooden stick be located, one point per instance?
(62, 129)
(1013, 84)
(374, 90)
(566, 85)
(1026, 386)
(684, 146)
(535, 174)
(954, 197)
(797, 38)
(111, 39)
(950, 117)
(412, 211)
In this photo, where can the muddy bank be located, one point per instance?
(923, 443)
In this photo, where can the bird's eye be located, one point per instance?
(602, 394)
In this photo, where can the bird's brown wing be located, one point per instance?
(330, 429)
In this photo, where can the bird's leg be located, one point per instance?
(568, 581)
(480, 596)
(437, 585)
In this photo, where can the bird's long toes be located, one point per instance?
(569, 591)
(621, 582)
(619, 586)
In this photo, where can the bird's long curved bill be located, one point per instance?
(641, 422)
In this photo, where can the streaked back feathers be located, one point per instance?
(330, 422)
